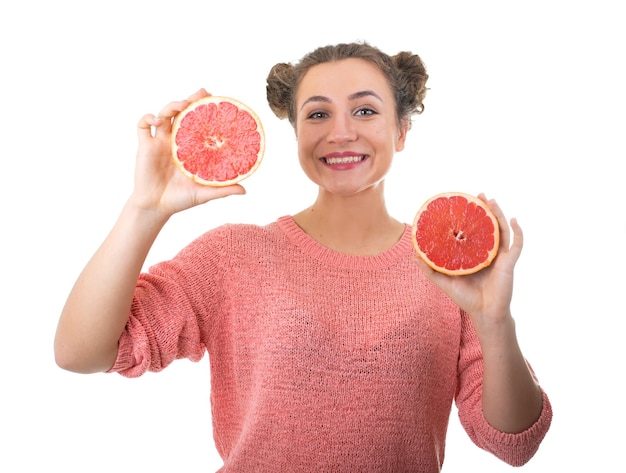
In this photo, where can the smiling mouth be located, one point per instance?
(344, 159)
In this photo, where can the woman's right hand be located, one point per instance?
(159, 185)
(88, 333)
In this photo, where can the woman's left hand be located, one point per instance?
(485, 295)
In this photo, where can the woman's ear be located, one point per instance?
(402, 131)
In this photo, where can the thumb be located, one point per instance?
(207, 193)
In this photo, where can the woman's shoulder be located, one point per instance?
(239, 234)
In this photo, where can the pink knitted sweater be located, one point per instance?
(320, 361)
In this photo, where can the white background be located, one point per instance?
(526, 104)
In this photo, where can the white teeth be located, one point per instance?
(344, 160)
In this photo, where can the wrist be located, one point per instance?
(495, 331)
(143, 218)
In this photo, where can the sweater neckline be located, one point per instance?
(330, 257)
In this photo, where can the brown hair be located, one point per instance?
(405, 73)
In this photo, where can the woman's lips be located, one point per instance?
(331, 160)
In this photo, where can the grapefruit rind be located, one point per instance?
(428, 237)
(241, 107)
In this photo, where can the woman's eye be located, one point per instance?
(365, 111)
(317, 115)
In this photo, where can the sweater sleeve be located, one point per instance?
(515, 449)
(171, 308)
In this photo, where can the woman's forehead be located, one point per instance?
(345, 78)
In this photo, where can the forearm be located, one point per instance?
(98, 306)
(512, 400)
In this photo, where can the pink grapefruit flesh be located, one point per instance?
(217, 141)
(456, 233)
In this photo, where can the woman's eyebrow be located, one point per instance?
(354, 96)
(364, 93)
(315, 98)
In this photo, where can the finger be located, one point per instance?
(505, 234)
(145, 124)
(169, 112)
(518, 240)
(207, 193)
(198, 95)
(166, 115)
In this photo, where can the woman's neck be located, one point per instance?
(357, 224)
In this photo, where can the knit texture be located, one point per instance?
(320, 361)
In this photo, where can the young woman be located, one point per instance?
(332, 347)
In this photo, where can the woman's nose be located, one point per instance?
(342, 129)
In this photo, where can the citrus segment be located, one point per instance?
(217, 141)
(456, 233)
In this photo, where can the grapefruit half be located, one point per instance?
(217, 141)
(456, 233)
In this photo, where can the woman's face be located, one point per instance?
(346, 126)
